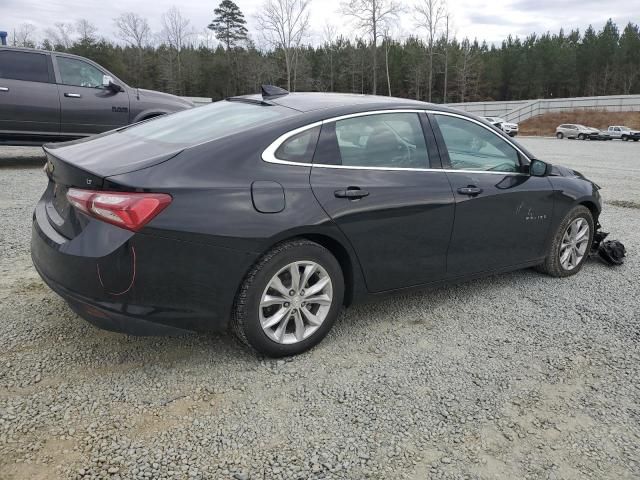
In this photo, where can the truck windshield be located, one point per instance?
(211, 122)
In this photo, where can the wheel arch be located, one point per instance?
(147, 114)
(593, 208)
(353, 278)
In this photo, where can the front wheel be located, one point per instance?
(570, 245)
(582, 136)
(625, 138)
(289, 300)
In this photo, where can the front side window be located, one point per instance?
(79, 73)
(30, 67)
(391, 140)
(473, 147)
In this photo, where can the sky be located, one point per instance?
(490, 20)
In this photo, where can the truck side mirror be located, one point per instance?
(107, 82)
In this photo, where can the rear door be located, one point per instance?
(379, 179)
(87, 106)
(29, 103)
(503, 214)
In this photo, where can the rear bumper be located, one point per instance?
(108, 319)
(140, 284)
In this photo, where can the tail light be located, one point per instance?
(127, 210)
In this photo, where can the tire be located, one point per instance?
(249, 313)
(559, 135)
(581, 136)
(552, 264)
(625, 138)
(636, 139)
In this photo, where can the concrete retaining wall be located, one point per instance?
(519, 111)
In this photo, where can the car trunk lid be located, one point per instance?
(86, 165)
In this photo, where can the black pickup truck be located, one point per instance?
(52, 96)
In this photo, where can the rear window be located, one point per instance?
(31, 67)
(210, 122)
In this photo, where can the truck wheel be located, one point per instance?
(625, 138)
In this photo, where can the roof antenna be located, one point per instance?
(271, 91)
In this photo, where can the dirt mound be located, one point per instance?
(546, 124)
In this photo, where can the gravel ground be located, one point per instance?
(513, 376)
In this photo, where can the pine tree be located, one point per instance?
(229, 24)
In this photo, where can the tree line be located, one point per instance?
(225, 59)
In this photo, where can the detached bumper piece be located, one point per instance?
(611, 252)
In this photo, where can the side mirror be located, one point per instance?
(538, 168)
(107, 82)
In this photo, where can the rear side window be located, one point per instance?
(300, 147)
(30, 67)
(391, 140)
(211, 122)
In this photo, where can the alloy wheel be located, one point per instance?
(296, 302)
(574, 244)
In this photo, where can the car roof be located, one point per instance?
(313, 101)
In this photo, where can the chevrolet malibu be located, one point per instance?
(266, 214)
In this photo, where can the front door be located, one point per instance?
(29, 102)
(371, 175)
(86, 106)
(503, 214)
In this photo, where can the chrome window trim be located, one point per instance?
(269, 153)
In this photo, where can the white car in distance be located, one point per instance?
(510, 129)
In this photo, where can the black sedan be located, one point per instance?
(268, 213)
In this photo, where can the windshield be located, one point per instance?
(211, 122)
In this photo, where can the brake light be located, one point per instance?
(127, 210)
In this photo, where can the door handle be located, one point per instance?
(471, 190)
(72, 95)
(4, 89)
(352, 193)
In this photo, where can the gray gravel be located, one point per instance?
(514, 376)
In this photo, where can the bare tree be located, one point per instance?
(447, 19)
(371, 17)
(429, 15)
(466, 68)
(386, 40)
(329, 40)
(176, 31)
(86, 30)
(60, 36)
(134, 30)
(284, 24)
(24, 35)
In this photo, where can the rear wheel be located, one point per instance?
(289, 300)
(560, 135)
(570, 245)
